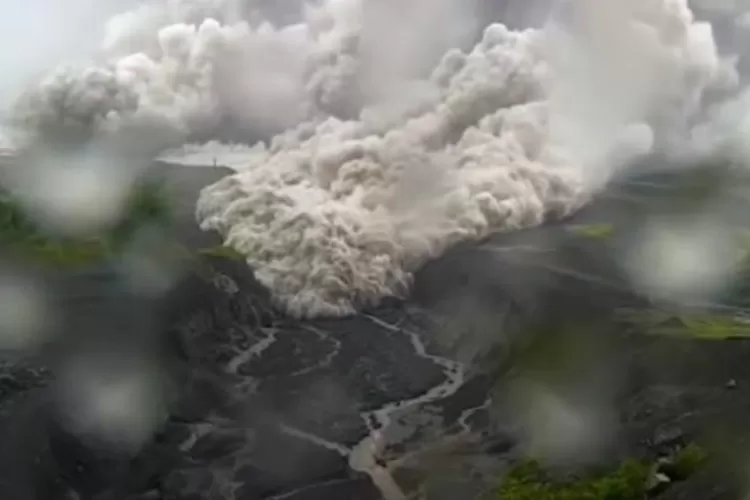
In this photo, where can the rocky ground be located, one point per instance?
(417, 397)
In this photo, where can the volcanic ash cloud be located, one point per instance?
(392, 146)
(335, 217)
(186, 68)
(338, 214)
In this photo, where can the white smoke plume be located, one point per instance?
(340, 214)
(176, 66)
(337, 217)
(626, 65)
(192, 66)
(401, 139)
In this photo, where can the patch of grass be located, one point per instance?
(687, 461)
(528, 481)
(66, 254)
(21, 237)
(715, 327)
(148, 205)
(594, 231)
(632, 480)
(698, 326)
(222, 252)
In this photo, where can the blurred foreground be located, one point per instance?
(551, 343)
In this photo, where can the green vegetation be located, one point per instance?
(21, 237)
(148, 205)
(715, 327)
(528, 481)
(698, 326)
(222, 252)
(633, 480)
(594, 231)
(687, 461)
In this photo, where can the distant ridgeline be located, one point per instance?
(22, 238)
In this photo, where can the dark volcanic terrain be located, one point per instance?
(414, 397)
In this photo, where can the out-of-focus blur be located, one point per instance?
(542, 196)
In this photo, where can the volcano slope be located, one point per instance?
(429, 397)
